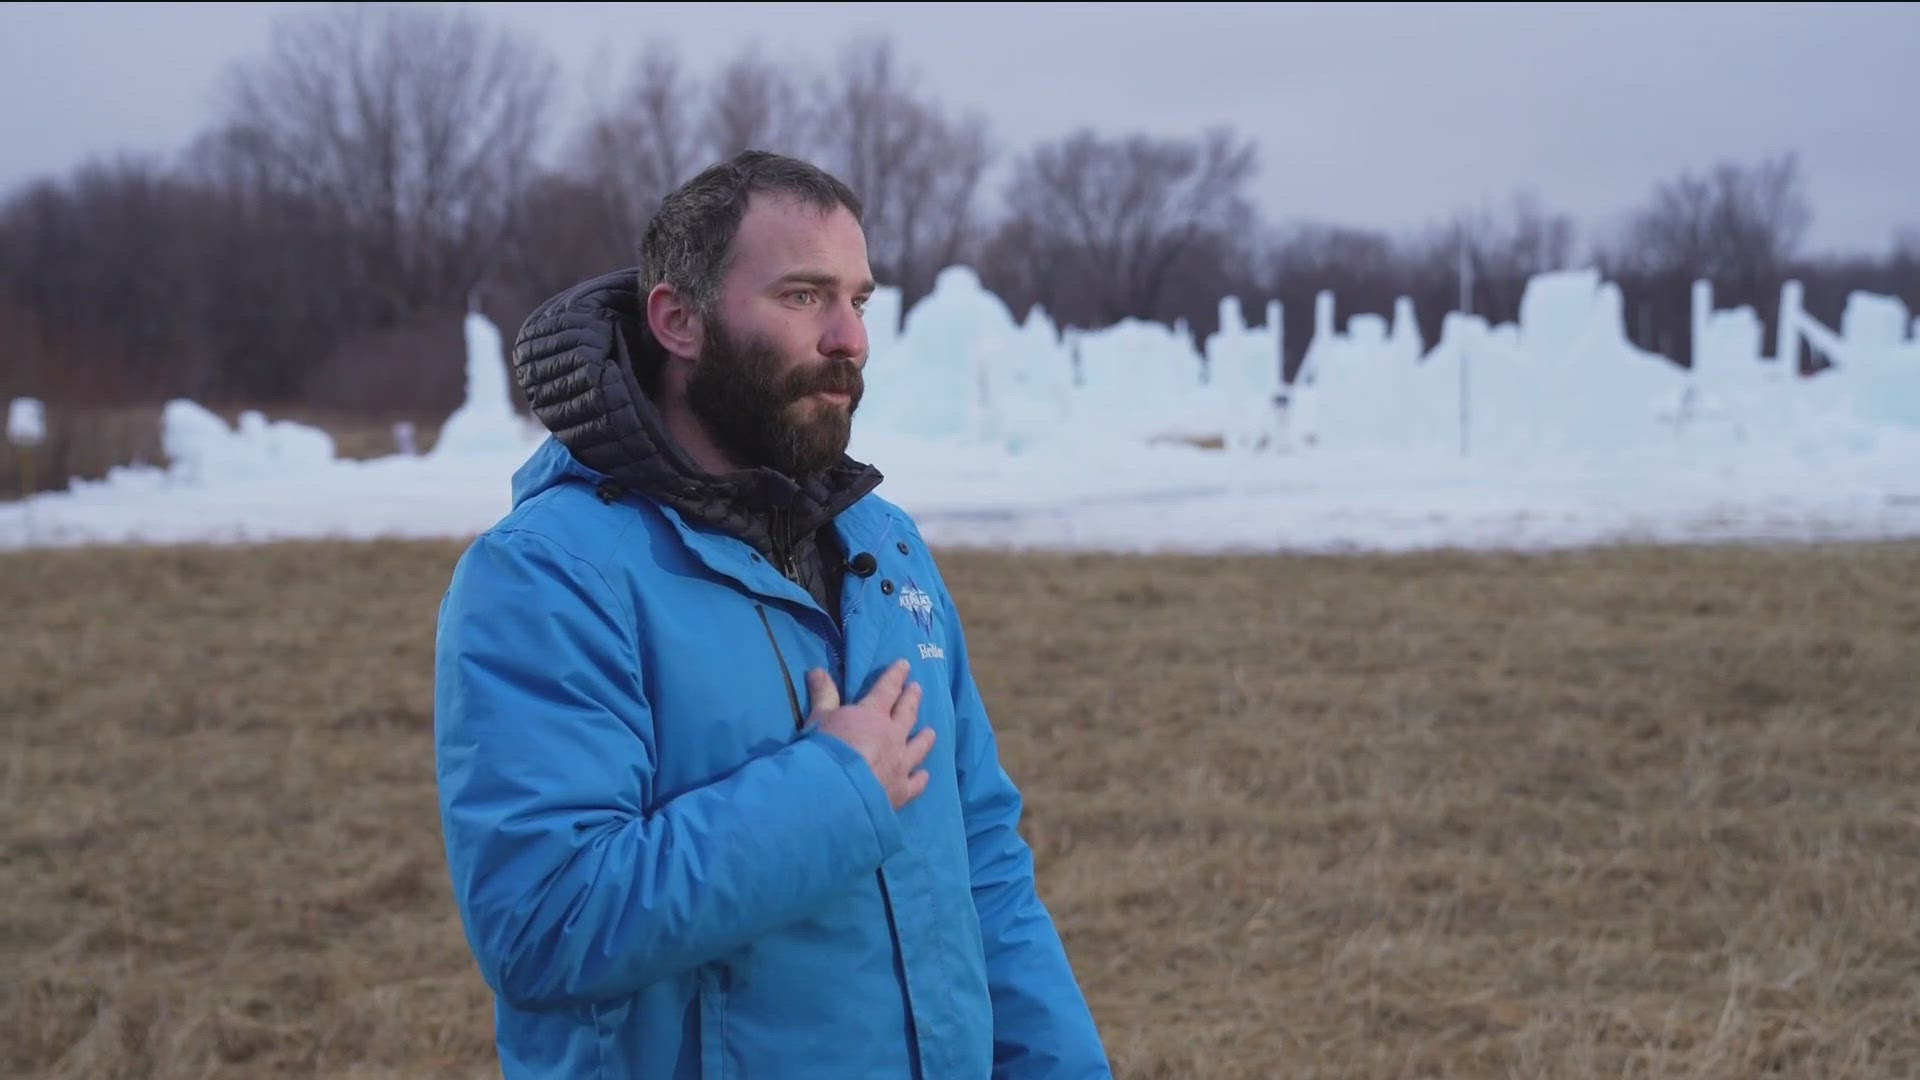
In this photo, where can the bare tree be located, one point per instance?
(104, 269)
(754, 105)
(417, 126)
(1365, 270)
(933, 223)
(1737, 226)
(916, 169)
(1117, 215)
(1334, 257)
(1906, 245)
(1904, 267)
(1490, 254)
(864, 132)
(643, 143)
(1734, 224)
(565, 229)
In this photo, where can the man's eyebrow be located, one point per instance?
(824, 280)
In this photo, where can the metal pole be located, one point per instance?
(1466, 307)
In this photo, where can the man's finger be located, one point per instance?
(825, 695)
(916, 786)
(907, 709)
(886, 689)
(918, 746)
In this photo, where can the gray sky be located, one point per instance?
(1379, 115)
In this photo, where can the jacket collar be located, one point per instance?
(575, 360)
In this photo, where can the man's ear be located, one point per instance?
(675, 322)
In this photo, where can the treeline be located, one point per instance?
(381, 168)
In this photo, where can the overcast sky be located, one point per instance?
(1379, 115)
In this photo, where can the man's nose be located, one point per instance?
(845, 334)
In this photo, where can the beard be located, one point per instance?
(762, 414)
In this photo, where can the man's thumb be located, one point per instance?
(825, 695)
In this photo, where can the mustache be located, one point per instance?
(836, 377)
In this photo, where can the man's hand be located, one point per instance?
(878, 725)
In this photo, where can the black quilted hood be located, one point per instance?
(574, 359)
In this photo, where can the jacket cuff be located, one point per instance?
(886, 824)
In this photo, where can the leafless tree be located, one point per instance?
(752, 104)
(1364, 269)
(643, 143)
(417, 126)
(1117, 215)
(1492, 253)
(1332, 257)
(106, 263)
(933, 223)
(916, 169)
(377, 162)
(1906, 245)
(1735, 225)
(1732, 224)
(564, 230)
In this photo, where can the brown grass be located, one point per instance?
(1641, 813)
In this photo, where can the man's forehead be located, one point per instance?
(782, 228)
(776, 201)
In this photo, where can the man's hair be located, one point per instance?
(690, 239)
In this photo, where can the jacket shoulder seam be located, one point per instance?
(508, 530)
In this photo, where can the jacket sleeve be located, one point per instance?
(1042, 1027)
(573, 885)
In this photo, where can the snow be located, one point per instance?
(203, 450)
(1551, 432)
(486, 419)
(1874, 322)
(26, 422)
(936, 388)
(1243, 377)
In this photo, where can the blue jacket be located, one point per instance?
(662, 876)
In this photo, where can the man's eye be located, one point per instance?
(803, 296)
(860, 305)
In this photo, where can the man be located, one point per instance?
(720, 795)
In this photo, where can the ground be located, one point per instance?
(1630, 812)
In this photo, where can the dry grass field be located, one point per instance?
(1631, 813)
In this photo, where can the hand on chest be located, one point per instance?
(724, 656)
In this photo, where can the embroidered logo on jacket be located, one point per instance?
(920, 605)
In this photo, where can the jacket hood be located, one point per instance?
(575, 360)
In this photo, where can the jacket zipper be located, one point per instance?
(787, 564)
(793, 698)
(879, 874)
(776, 542)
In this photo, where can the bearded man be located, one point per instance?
(719, 793)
